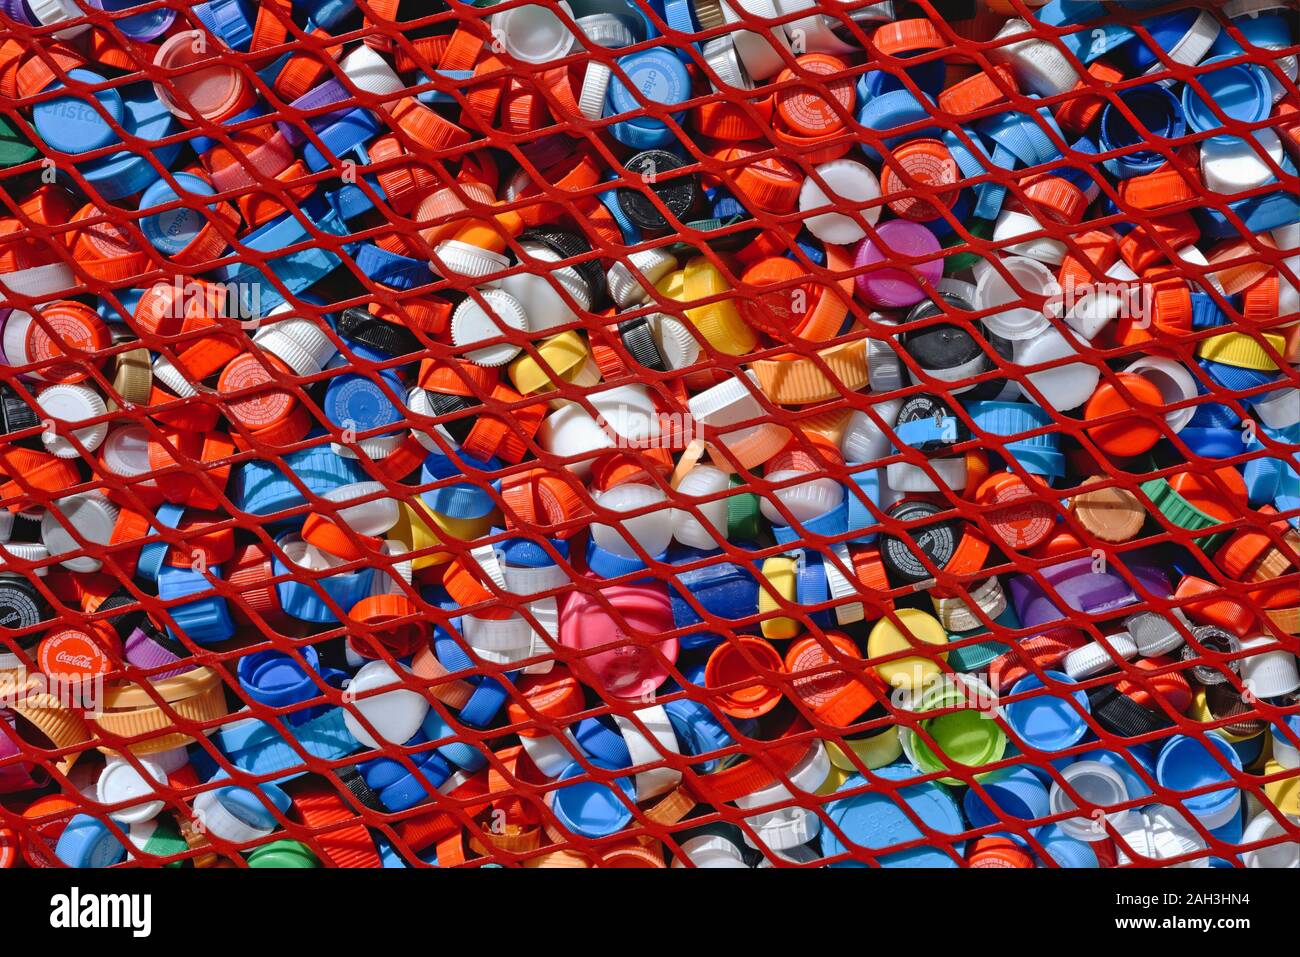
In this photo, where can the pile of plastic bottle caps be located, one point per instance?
(649, 433)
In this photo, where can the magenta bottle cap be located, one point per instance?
(905, 286)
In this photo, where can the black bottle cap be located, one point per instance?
(360, 326)
(640, 342)
(1121, 715)
(16, 413)
(937, 540)
(21, 606)
(679, 194)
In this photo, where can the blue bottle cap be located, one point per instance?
(1239, 92)
(1192, 763)
(658, 76)
(642, 133)
(356, 402)
(892, 110)
(128, 172)
(276, 678)
(1066, 851)
(354, 128)
(173, 230)
(70, 124)
(250, 806)
(412, 788)
(462, 754)
(592, 808)
(602, 742)
(1014, 792)
(875, 821)
(1045, 721)
(87, 842)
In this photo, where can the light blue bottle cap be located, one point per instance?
(875, 821)
(593, 808)
(173, 230)
(1047, 721)
(70, 124)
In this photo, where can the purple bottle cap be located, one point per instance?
(144, 27)
(145, 653)
(18, 11)
(331, 91)
(897, 288)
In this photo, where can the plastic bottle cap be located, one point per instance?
(498, 314)
(121, 781)
(534, 33)
(68, 405)
(895, 287)
(651, 531)
(395, 715)
(850, 184)
(912, 672)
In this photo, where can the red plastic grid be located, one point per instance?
(383, 30)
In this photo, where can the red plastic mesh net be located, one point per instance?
(501, 814)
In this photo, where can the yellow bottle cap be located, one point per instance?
(886, 638)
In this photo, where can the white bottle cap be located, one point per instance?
(720, 54)
(1096, 784)
(677, 344)
(548, 753)
(1280, 409)
(906, 477)
(1032, 279)
(455, 258)
(126, 451)
(629, 280)
(595, 88)
(1270, 670)
(709, 851)
(299, 343)
(790, 826)
(1063, 387)
(547, 307)
(1094, 658)
(374, 517)
(652, 748)
(219, 820)
(1012, 223)
(570, 431)
(120, 781)
(812, 34)
(91, 515)
(533, 33)
(863, 440)
(42, 283)
(804, 501)
(699, 482)
(370, 72)
(67, 405)
(49, 12)
(1265, 827)
(652, 531)
(395, 715)
(1158, 833)
(14, 341)
(756, 52)
(729, 402)
(848, 183)
(1233, 164)
(472, 322)
(842, 582)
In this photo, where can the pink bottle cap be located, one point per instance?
(217, 92)
(635, 664)
(897, 288)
